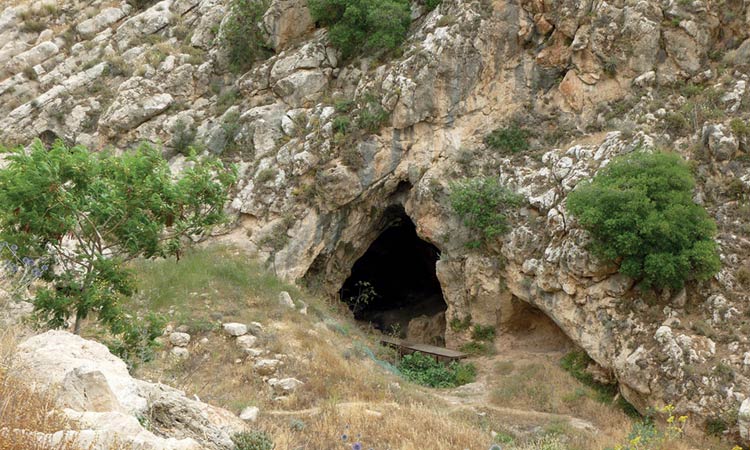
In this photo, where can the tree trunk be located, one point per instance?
(77, 325)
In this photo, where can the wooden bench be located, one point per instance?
(406, 348)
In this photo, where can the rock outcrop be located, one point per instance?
(105, 405)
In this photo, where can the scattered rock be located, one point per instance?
(743, 420)
(256, 328)
(266, 366)
(179, 339)
(180, 352)
(286, 300)
(250, 414)
(235, 329)
(721, 143)
(246, 341)
(252, 352)
(285, 385)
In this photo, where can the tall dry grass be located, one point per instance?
(27, 416)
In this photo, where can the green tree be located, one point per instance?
(366, 26)
(640, 213)
(84, 214)
(482, 203)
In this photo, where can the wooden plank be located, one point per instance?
(405, 347)
(438, 351)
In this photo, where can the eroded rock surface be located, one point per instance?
(95, 391)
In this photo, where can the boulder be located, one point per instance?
(720, 142)
(95, 390)
(266, 366)
(179, 339)
(179, 352)
(246, 341)
(250, 414)
(286, 300)
(285, 385)
(235, 329)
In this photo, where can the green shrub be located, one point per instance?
(482, 203)
(457, 324)
(483, 333)
(183, 137)
(432, 4)
(423, 369)
(253, 440)
(511, 139)
(372, 116)
(241, 36)
(740, 127)
(676, 123)
(341, 124)
(640, 213)
(716, 426)
(367, 26)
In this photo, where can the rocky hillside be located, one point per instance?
(329, 147)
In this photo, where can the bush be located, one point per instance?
(510, 139)
(457, 324)
(372, 116)
(241, 37)
(482, 204)
(432, 4)
(183, 137)
(253, 440)
(483, 333)
(640, 213)
(367, 26)
(423, 369)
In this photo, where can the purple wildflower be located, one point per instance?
(356, 446)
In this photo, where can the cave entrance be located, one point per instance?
(394, 285)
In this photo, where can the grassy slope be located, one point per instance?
(345, 391)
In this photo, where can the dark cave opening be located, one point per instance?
(394, 285)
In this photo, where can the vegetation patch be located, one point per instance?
(482, 204)
(363, 26)
(253, 440)
(423, 369)
(508, 140)
(241, 36)
(576, 362)
(116, 208)
(640, 213)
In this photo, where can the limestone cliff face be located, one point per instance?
(591, 79)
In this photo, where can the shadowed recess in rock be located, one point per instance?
(394, 285)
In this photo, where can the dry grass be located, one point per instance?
(24, 411)
(343, 384)
(403, 427)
